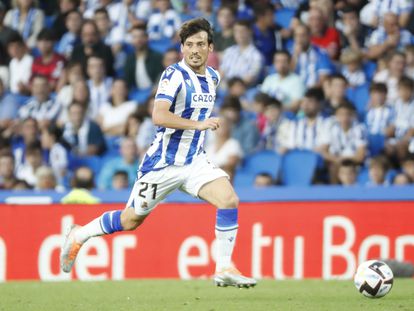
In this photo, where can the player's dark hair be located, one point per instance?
(231, 102)
(194, 26)
(378, 87)
(46, 34)
(406, 82)
(315, 93)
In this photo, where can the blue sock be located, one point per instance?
(111, 222)
(226, 219)
(226, 232)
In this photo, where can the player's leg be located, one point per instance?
(143, 199)
(212, 185)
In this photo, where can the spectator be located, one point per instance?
(375, 12)
(345, 139)
(409, 58)
(403, 125)
(55, 151)
(266, 35)
(204, 8)
(83, 135)
(99, 85)
(40, 107)
(388, 38)
(310, 62)
(322, 35)
(142, 68)
(45, 179)
(401, 179)
(347, 173)
(60, 24)
(91, 44)
(260, 101)
(132, 127)
(275, 122)
(391, 75)
(72, 74)
(164, 22)
(48, 63)
(82, 183)
(242, 129)
(29, 132)
(377, 171)
(147, 130)
(26, 19)
(127, 14)
(8, 111)
(170, 57)
(351, 61)
(263, 180)
(20, 67)
(407, 166)
(5, 34)
(32, 161)
(354, 34)
(7, 177)
(81, 96)
(237, 87)
(127, 161)
(22, 185)
(120, 180)
(284, 84)
(71, 37)
(224, 151)
(112, 115)
(110, 36)
(243, 59)
(335, 93)
(379, 117)
(223, 34)
(307, 132)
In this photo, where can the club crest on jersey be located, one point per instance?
(202, 100)
(168, 72)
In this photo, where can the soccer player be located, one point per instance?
(176, 159)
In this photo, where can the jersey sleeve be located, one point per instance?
(169, 86)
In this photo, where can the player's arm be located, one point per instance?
(162, 116)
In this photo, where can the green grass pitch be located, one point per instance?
(170, 295)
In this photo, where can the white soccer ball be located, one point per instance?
(374, 279)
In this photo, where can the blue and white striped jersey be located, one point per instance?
(192, 96)
(378, 119)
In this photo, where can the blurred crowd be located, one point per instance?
(334, 77)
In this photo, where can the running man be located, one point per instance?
(176, 159)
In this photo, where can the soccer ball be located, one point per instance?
(374, 279)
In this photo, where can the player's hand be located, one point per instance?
(210, 123)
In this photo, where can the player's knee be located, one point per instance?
(230, 200)
(131, 221)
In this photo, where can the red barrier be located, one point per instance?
(278, 240)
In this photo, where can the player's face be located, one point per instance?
(195, 51)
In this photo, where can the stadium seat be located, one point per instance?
(243, 179)
(161, 46)
(359, 96)
(93, 162)
(140, 96)
(266, 161)
(283, 17)
(298, 167)
(375, 144)
(369, 69)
